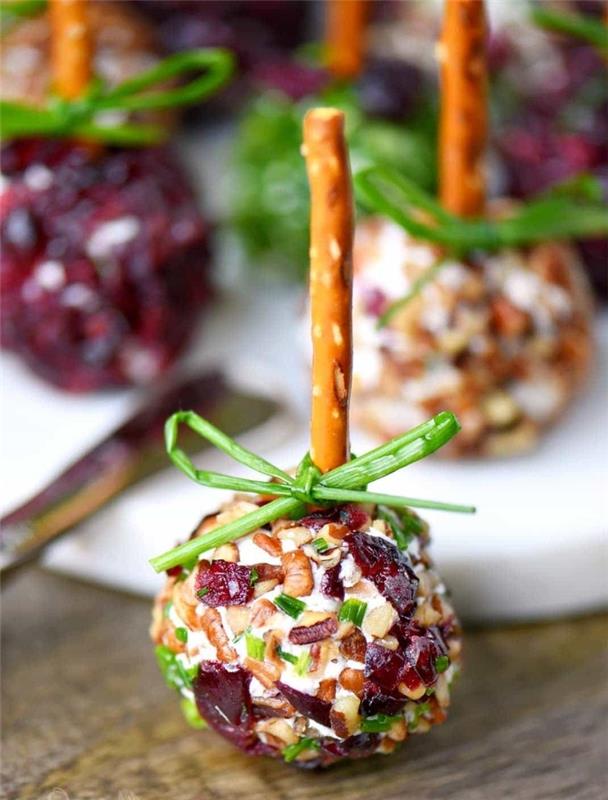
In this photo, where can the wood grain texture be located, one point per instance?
(87, 717)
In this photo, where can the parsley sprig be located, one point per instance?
(83, 117)
(345, 484)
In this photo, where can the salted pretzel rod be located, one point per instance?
(331, 245)
(463, 122)
(71, 47)
(345, 36)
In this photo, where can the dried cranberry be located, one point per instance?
(375, 700)
(390, 88)
(331, 583)
(358, 746)
(422, 647)
(223, 700)
(104, 262)
(223, 583)
(318, 519)
(385, 667)
(387, 567)
(175, 572)
(354, 517)
(307, 704)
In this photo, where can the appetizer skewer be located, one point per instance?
(451, 309)
(105, 252)
(307, 622)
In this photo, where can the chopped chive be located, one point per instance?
(290, 605)
(176, 675)
(320, 545)
(379, 723)
(181, 634)
(191, 714)
(255, 647)
(346, 483)
(420, 710)
(395, 522)
(202, 592)
(254, 576)
(240, 635)
(292, 751)
(442, 663)
(302, 663)
(167, 608)
(287, 656)
(430, 691)
(352, 610)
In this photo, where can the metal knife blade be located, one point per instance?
(129, 454)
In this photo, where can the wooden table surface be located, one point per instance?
(86, 715)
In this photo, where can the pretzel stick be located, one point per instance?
(345, 36)
(331, 247)
(71, 47)
(463, 124)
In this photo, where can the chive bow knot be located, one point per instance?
(84, 116)
(309, 487)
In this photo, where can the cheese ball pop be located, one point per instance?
(105, 252)
(308, 623)
(481, 313)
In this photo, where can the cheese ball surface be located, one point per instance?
(312, 640)
(504, 341)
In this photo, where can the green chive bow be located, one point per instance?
(570, 210)
(79, 118)
(584, 27)
(345, 484)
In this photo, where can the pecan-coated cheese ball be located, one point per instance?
(503, 340)
(312, 640)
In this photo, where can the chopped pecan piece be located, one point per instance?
(211, 624)
(327, 689)
(268, 543)
(353, 647)
(313, 633)
(352, 679)
(298, 574)
(344, 716)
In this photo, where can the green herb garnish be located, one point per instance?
(80, 118)
(254, 577)
(344, 484)
(192, 714)
(320, 545)
(302, 664)
(292, 751)
(419, 711)
(181, 634)
(289, 657)
(175, 674)
(352, 610)
(405, 525)
(290, 605)
(442, 663)
(167, 608)
(269, 202)
(12, 12)
(379, 723)
(255, 647)
(584, 27)
(202, 592)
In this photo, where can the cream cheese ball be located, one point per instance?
(311, 640)
(504, 340)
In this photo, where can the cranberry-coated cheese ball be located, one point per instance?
(312, 640)
(504, 341)
(104, 262)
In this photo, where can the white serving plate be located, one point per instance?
(536, 548)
